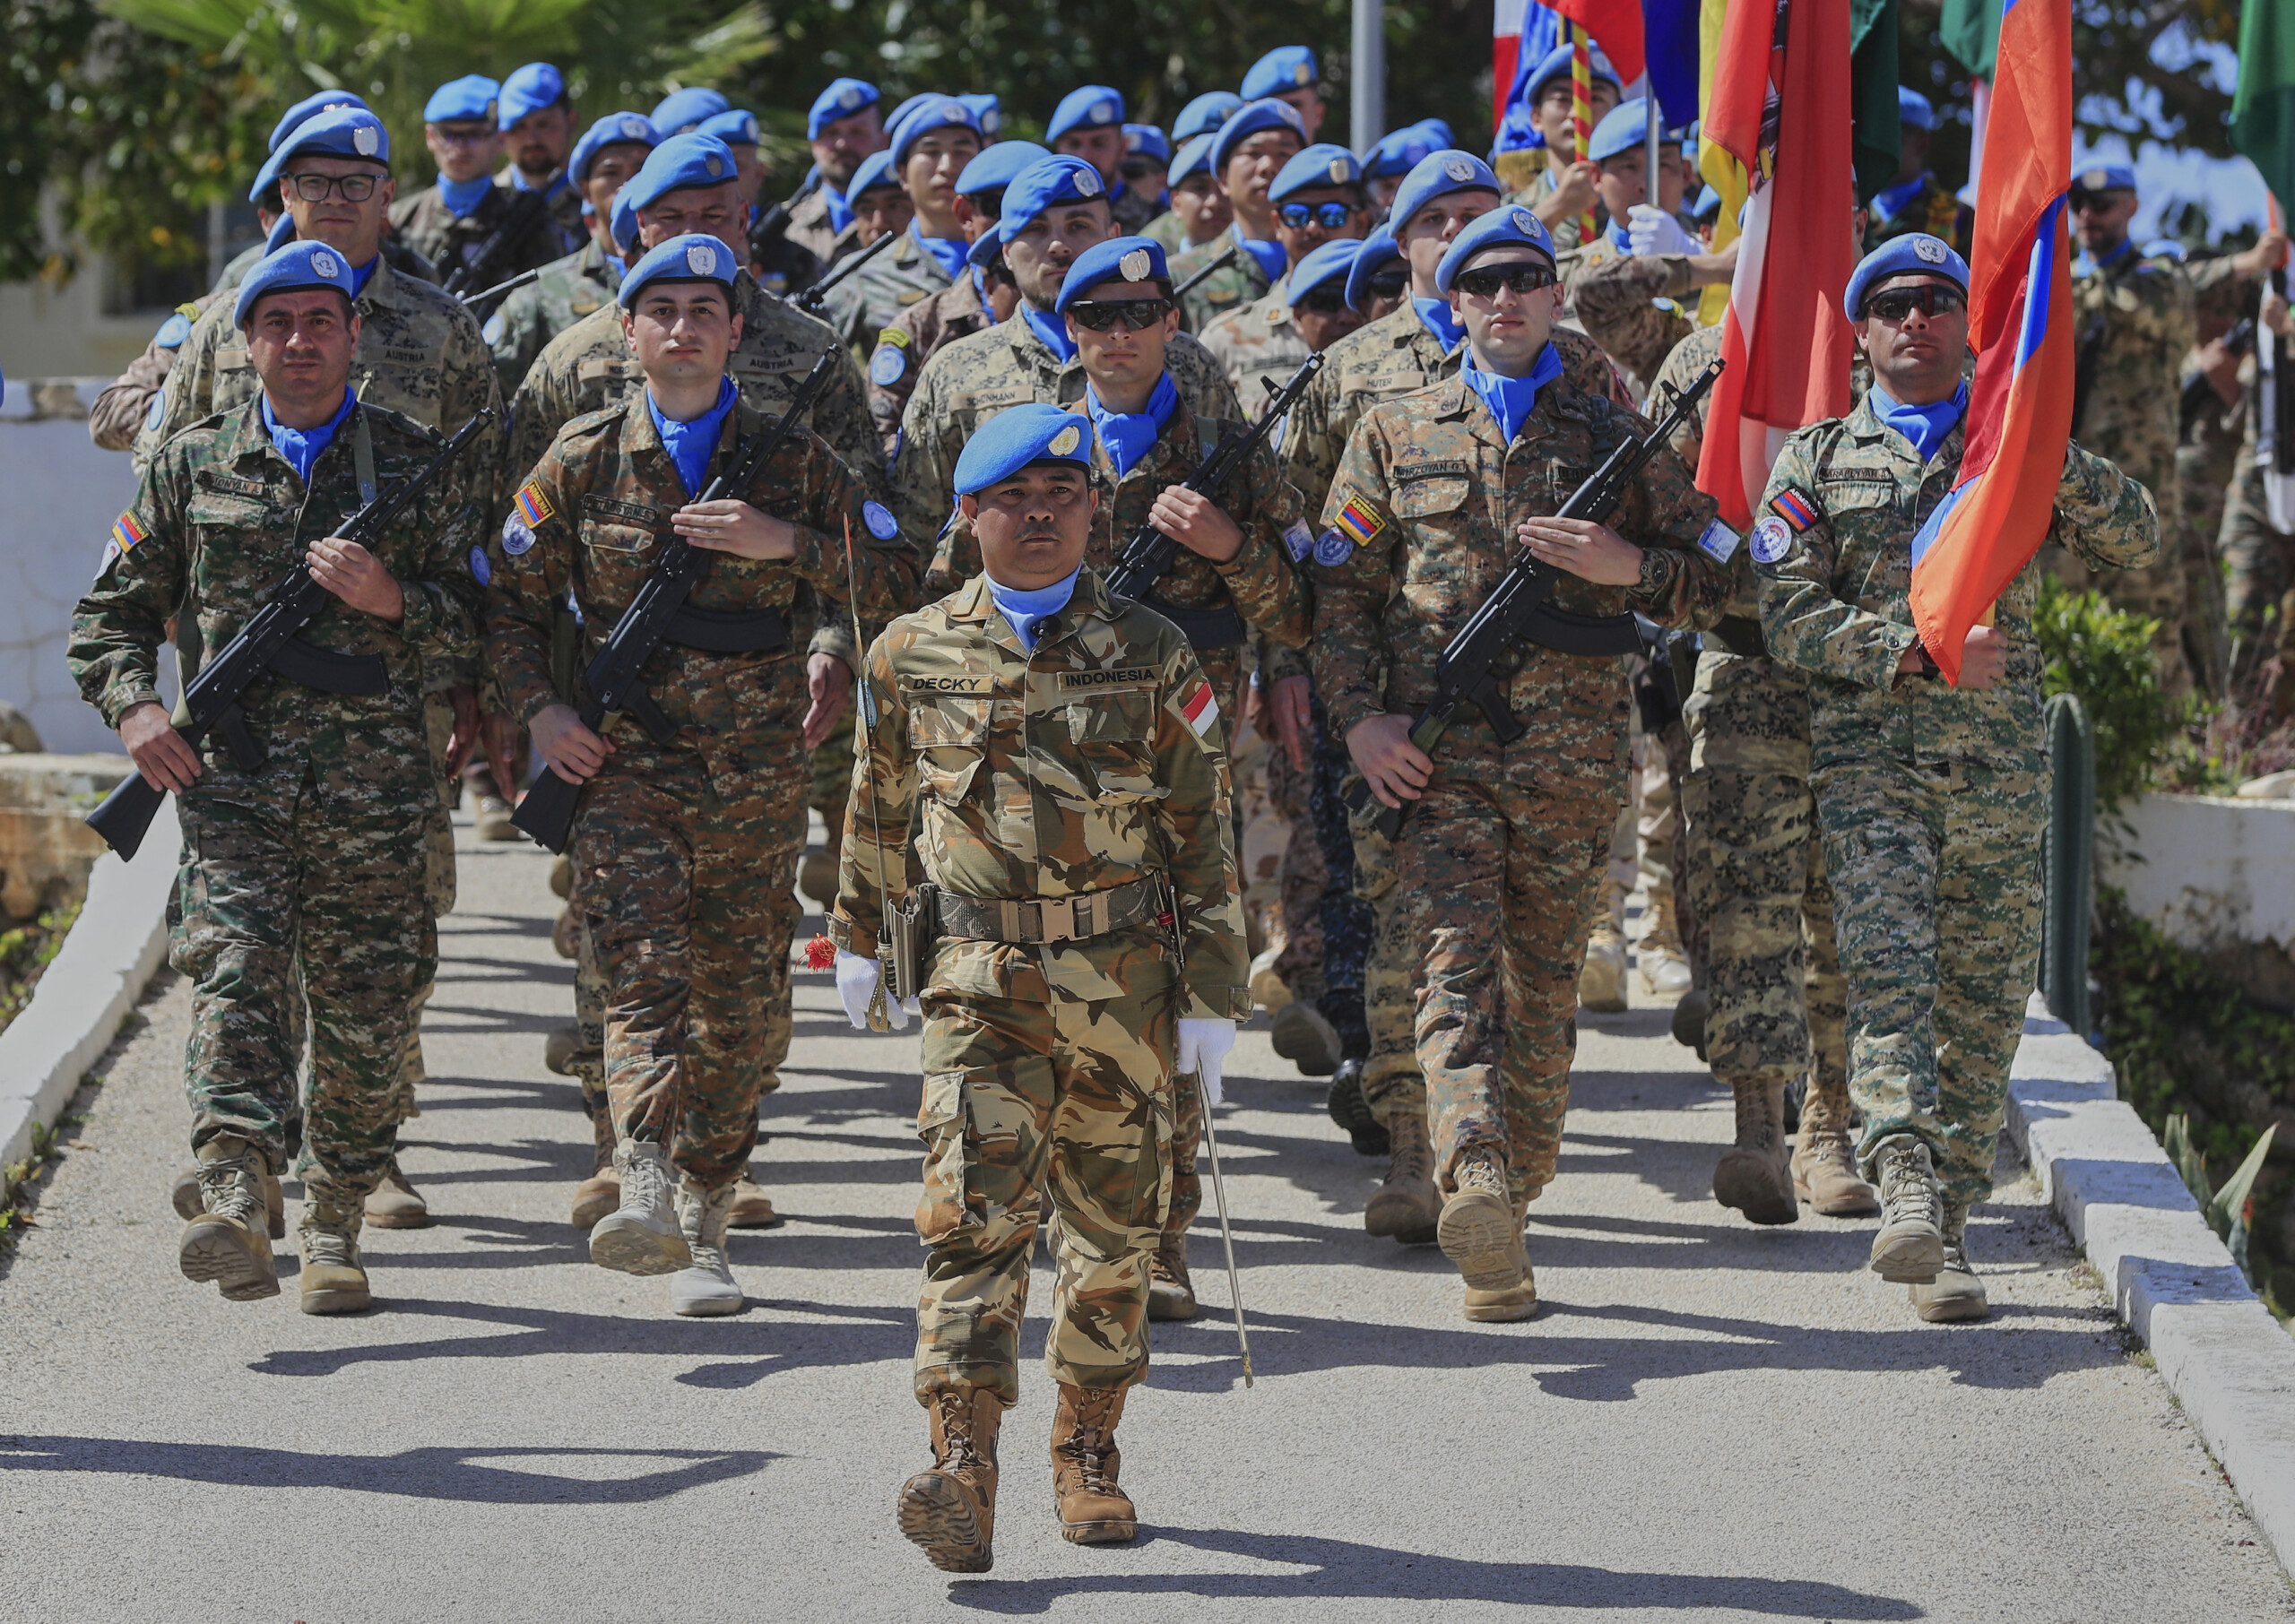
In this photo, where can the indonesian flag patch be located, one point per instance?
(1200, 709)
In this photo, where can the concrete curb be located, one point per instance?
(2228, 1361)
(110, 957)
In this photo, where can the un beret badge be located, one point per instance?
(1338, 175)
(848, 98)
(1299, 74)
(1087, 183)
(711, 163)
(365, 139)
(701, 259)
(1064, 443)
(1103, 112)
(1929, 250)
(1134, 265)
(1526, 221)
(1460, 168)
(324, 264)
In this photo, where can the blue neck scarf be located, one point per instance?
(1271, 257)
(551, 187)
(840, 213)
(1924, 427)
(2126, 246)
(947, 252)
(1436, 314)
(689, 444)
(1621, 239)
(1888, 200)
(980, 285)
(1027, 611)
(361, 275)
(1510, 399)
(464, 196)
(301, 446)
(1128, 434)
(1051, 329)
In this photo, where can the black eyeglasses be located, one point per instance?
(1485, 283)
(314, 188)
(1322, 301)
(1138, 169)
(1387, 284)
(1136, 314)
(1329, 216)
(1930, 299)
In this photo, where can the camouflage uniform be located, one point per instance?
(914, 337)
(686, 853)
(1435, 494)
(900, 279)
(1636, 306)
(1169, 230)
(126, 404)
(1132, 209)
(1071, 770)
(1232, 286)
(1931, 800)
(567, 289)
(302, 880)
(1931, 210)
(396, 253)
(810, 228)
(450, 241)
(1258, 348)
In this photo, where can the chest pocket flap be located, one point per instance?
(1430, 494)
(950, 732)
(1114, 733)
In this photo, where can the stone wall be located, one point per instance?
(2217, 875)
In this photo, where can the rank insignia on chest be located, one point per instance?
(533, 505)
(1357, 520)
(1795, 509)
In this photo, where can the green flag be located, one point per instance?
(2262, 109)
(1971, 30)
(1873, 93)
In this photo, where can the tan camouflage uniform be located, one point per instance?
(126, 404)
(449, 240)
(810, 228)
(1636, 306)
(1232, 286)
(1258, 348)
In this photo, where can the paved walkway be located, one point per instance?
(1705, 1421)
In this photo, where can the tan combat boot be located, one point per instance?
(561, 877)
(333, 1281)
(189, 1203)
(950, 1509)
(1171, 1290)
(1956, 1293)
(1085, 1462)
(642, 1235)
(817, 873)
(492, 820)
(1753, 1175)
(1476, 1230)
(1825, 1162)
(706, 1288)
(559, 1050)
(396, 1204)
(1661, 961)
(229, 1241)
(601, 1192)
(566, 934)
(1910, 1247)
(1405, 1205)
(1508, 1303)
(1303, 1035)
(752, 1207)
(1601, 980)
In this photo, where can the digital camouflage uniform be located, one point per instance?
(396, 252)
(686, 853)
(1506, 848)
(1092, 764)
(451, 241)
(1258, 348)
(913, 338)
(1232, 286)
(1931, 800)
(522, 325)
(866, 303)
(303, 879)
(1169, 230)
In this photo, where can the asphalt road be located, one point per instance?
(1704, 1421)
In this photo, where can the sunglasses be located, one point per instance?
(314, 188)
(1138, 169)
(1931, 299)
(1322, 301)
(1387, 284)
(1136, 315)
(1485, 283)
(1329, 216)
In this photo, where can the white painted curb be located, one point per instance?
(110, 957)
(2228, 1361)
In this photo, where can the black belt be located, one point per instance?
(1049, 918)
(717, 631)
(1205, 628)
(330, 673)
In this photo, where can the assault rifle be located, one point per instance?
(1516, 611)
(1149, 553)
(813, 299)
(484, 297)
(1218, 262)
(656, 615)
(483, 266)
(268, 645)
(769, 243)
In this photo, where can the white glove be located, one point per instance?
(1203, 1045)
(1655, 232)
(856, 985)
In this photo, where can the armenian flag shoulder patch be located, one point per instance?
(1795, 509)
(1358, 520)
(533, 505)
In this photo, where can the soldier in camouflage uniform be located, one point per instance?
(844, 126)
(1563, 191)
(1200, 213)
(1089, 946)
(449, 221)
(126, 402)
(1246, 156)
(1433, 496)
(1932, 798)
(304, 877)
(539, 133)
(1318, 197)
(686, 850)
(1089, 123)
(2260, 555)
(1915, 200)
(930, 147)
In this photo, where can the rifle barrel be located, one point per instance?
(1219, 261)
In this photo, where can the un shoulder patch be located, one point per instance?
(880, 520)
(1772, 539)
(1333, 548)
(479, 567)
(889, 366)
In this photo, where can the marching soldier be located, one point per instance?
(686, 851)
(1395, 154)
(1199, 212)
(1246, 156)
(1081, 951)
(929, 150)
(1431, 496)
(843, 126)
(448, 222)
(684, 112)
(1089, 123)
(1318, 198)
(1915, 200)
(304, 877)
(537, 133)
(1932, 798)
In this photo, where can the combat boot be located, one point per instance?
(230, 1242)
(333, 1280)
(561, 877)
(817, 875)
(1825, 1162)
(1753, 1175)
(642, 1235)
(566, 934)
(601, 1192)
(950, 1508)
(492, 819)
(752, 1209)
(396, 1204)
(1268, 990)
(1351, 1112)
(1476, 1230)
(1662, 964)
(1910, 1246)
(1303, 1035)
(1085, 1463)
(707, 1288)
(1956, 1293)
(561, 1049)
(1405, 1205)
(1601, 978)
(1508, 1303)
(1171, 1291)
(189, 1203)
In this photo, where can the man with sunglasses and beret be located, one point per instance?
(1932, 798)
(1318, 199)
(1503, 845)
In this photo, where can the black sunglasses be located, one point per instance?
(1138, 169)
(1387, 284)
(1485, 283)
(1137, 315)
(1322, 301)
(1931, 299)
(1329, 216)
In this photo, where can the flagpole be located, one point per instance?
(1581, 107)
(1656, 130)
(1367, 89)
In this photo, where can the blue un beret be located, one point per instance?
(2105, 178)
(1119, 259)
(736, 127)
(1623, 129)
(940, 113)
(295, 266)
(1708, 205)
(998, 167)
(621, 225)
(472, 98)
(1397, 152)
(842, 99)
(1088, 107)
(1286, 68)
(1916, 251)
(1326, 263)
(282, 232)
(1146, 141)
(1248, 121)
(1323, 164)
(1437, 175)
(1194, 157)
(1556, 64)
(681, 110)
(615, 129)
(1915, 110)
(875, 170)
(1499, 228)
(310, 107)
(985, 108)
(1037, 432)
(984, 248)
(691, 258)
(1380, 248)
(680, 162)
(530, 90)
(1205, 114)
(339, 133)
(1043, 184)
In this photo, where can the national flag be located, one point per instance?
(533, 505)
(2263, 106)
(1777, 122)
(1521, 32)
(1615, 26)
(1669, 31)
(1201, 708)
(2020, 325)
(125, 532)
(1873, 39)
